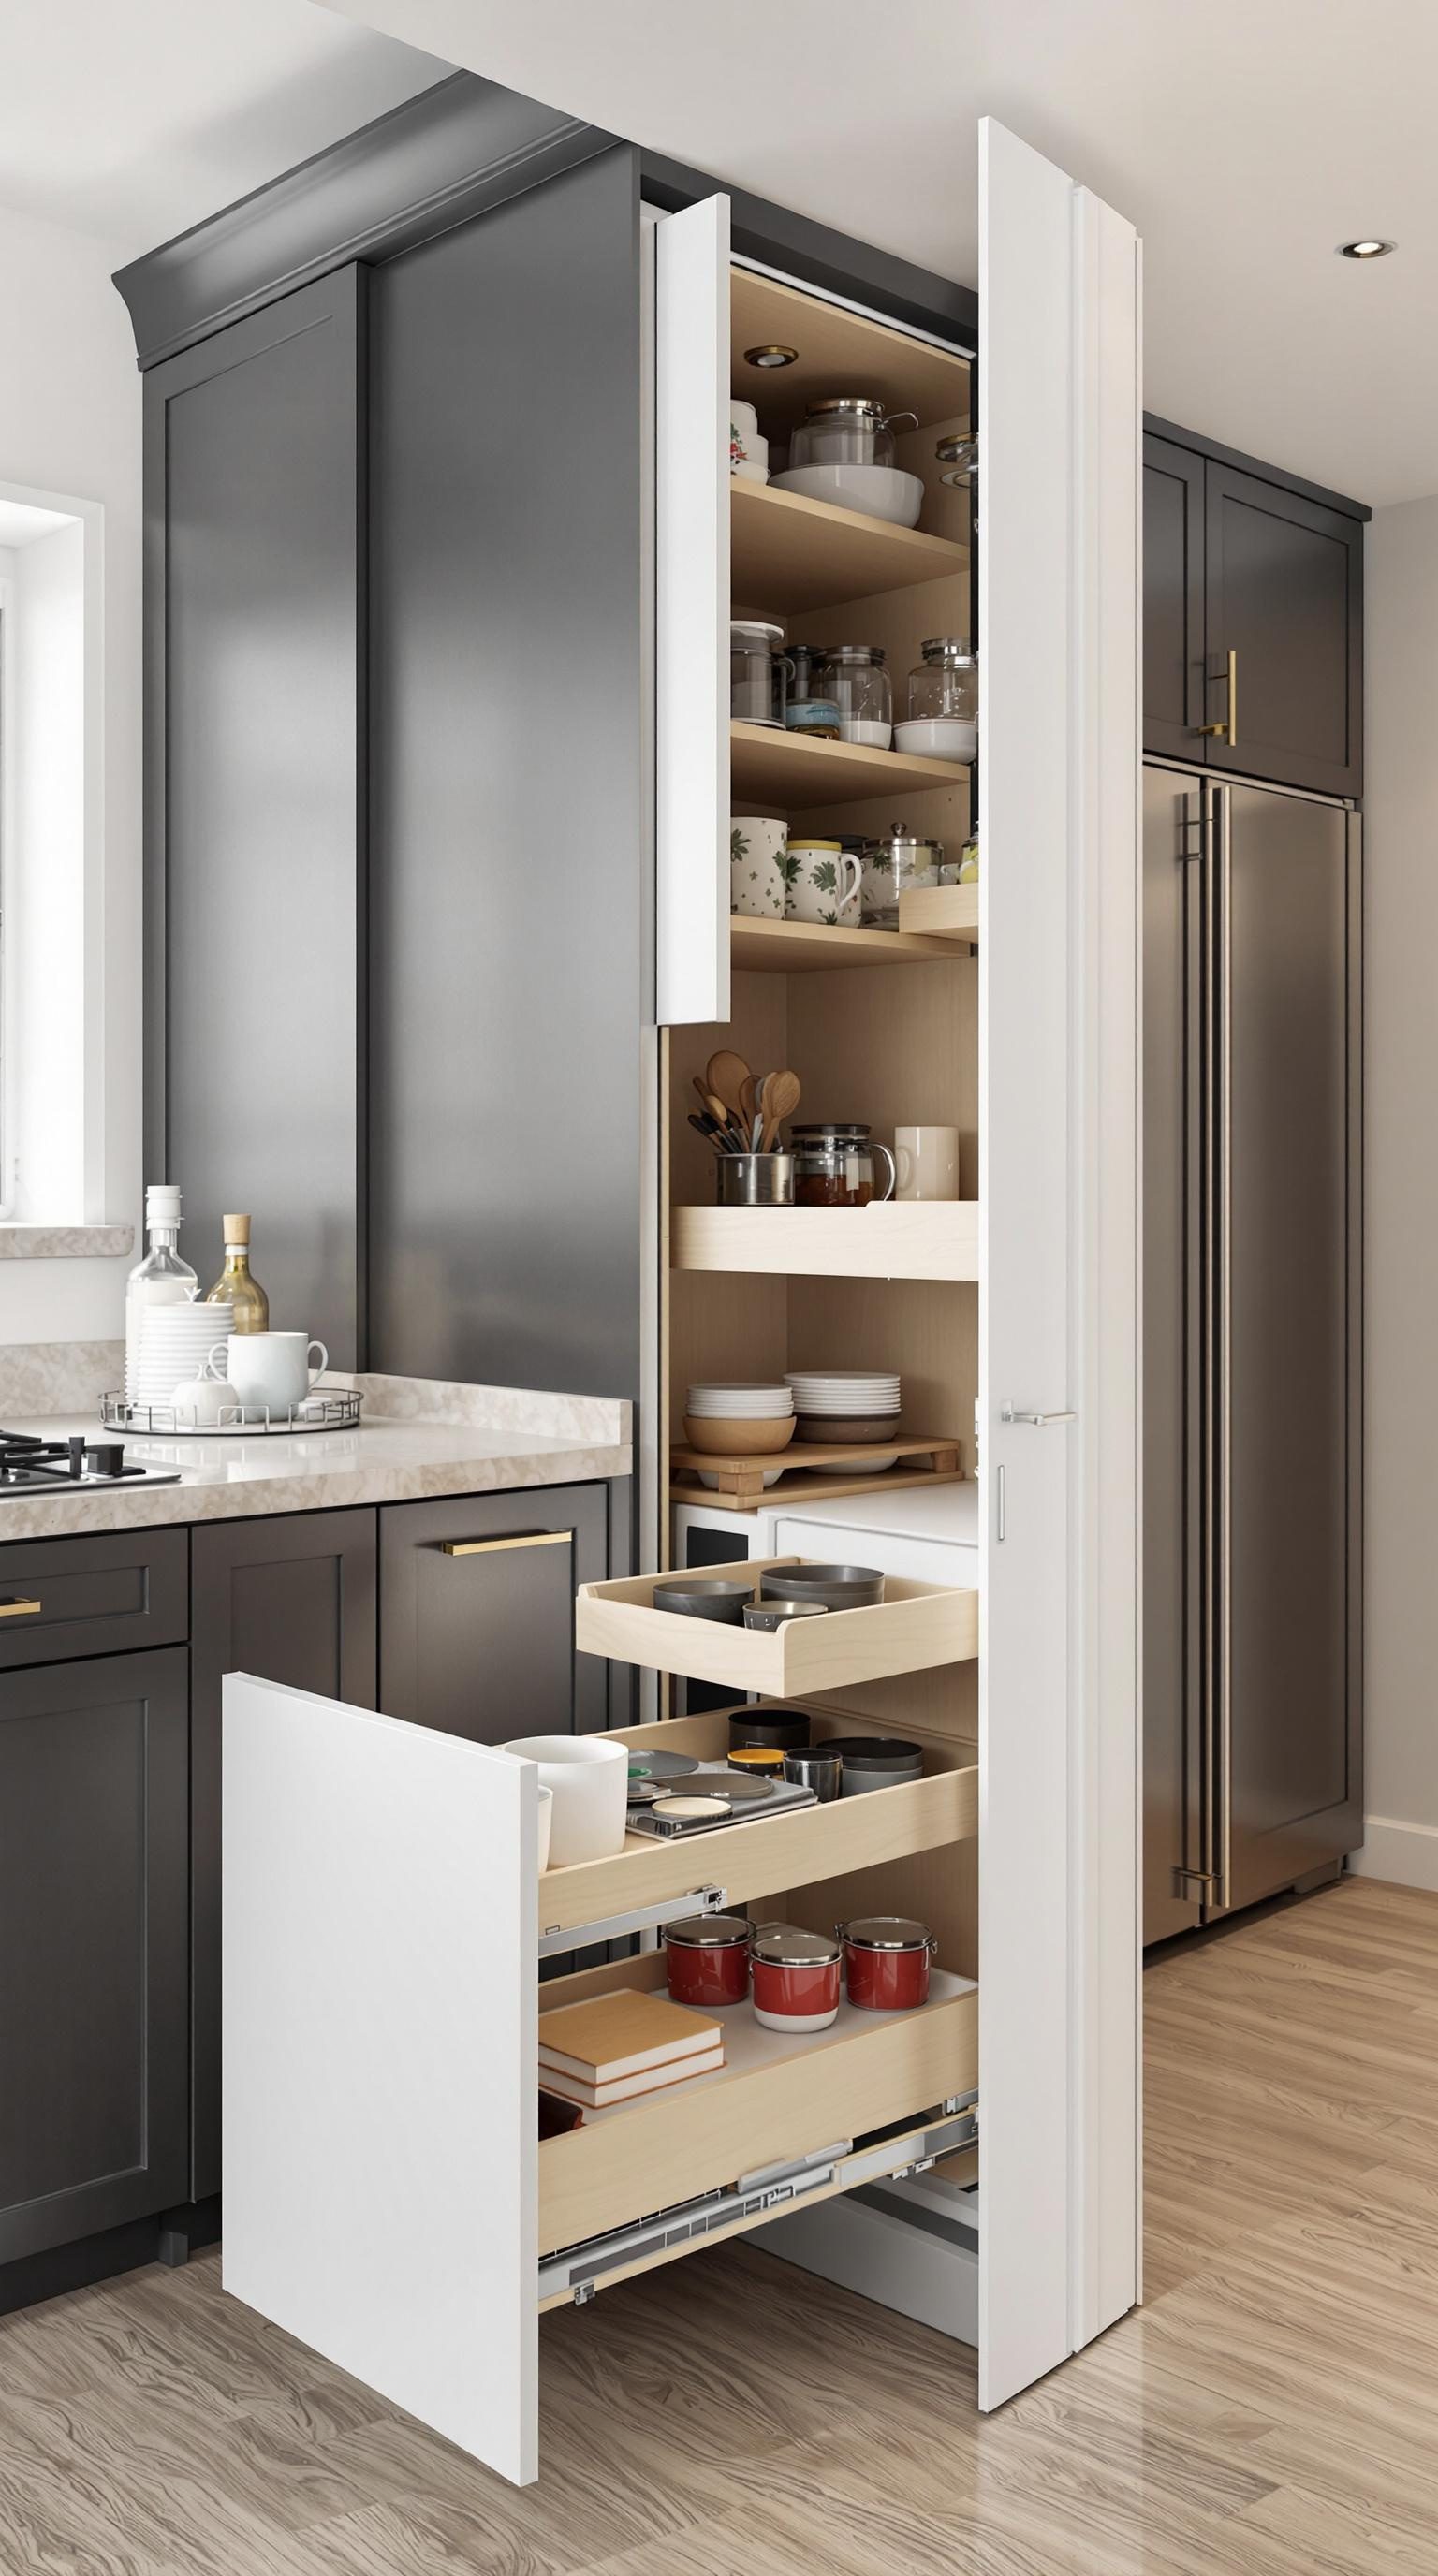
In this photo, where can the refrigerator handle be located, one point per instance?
(1217, 1712)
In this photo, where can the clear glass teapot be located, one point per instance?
(846, 429)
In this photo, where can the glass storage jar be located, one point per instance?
(834, 1166)
(846, 429)
(854, 677)
(758, 672)
(894, 863)
(946, 682)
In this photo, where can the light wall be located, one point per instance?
(1401, 1231)
(70, 426)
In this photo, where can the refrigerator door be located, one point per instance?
(1286, 1276)
(1173, 996)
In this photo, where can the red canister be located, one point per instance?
(796, 1977)
(706, 1959)
(886, 1962)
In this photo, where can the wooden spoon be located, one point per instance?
(726, 1074)
(781, 1099)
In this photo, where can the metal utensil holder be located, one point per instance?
(756, 1180)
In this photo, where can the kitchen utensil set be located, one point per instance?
(740, 1112)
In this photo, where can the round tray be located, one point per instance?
(334, 1412)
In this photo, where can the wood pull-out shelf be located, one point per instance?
(741, 1486)
(889, 1239)
(941, 912)
(915, 1627)
(766, 1854)
(793, 553)
(776, 2098)
(765, 762)
(764, 947)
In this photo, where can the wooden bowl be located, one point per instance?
(729, 1439)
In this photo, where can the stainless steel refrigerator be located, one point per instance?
(1252, 1164)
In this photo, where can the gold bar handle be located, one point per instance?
(1227, 731)
(490, 1546)
(13, 1607)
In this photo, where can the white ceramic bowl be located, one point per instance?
(771, 1477)
(865, 730)
(880, 491)
(590, 1782)
(546, 1825)
(937, 738)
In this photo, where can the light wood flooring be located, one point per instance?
(1274, 2409)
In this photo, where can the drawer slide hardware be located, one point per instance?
(640, 1918)
(583, 2269)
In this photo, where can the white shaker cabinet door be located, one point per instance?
(1058, 967)
(380, 2136)
(691, 612)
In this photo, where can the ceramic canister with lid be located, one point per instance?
(795, 1977)
(886, 1962)
(706, 1959)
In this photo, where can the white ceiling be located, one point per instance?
(133, 119)
(1245, 138)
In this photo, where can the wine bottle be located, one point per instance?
(251, 1305)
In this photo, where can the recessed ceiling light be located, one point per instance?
(773, 356)
(1369, 248)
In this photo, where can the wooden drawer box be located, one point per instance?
(915, 1626)
(62, 1597)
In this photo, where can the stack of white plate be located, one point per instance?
(849, 1408)
(174, 1343)
(740, 1403)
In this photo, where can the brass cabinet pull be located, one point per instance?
(1227, 731)
(488, 1546)
(12, 1607)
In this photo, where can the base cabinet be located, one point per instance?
(291, 1600)
(94, 1875)
(477, 1612)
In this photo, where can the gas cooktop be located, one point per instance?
(31, 1466)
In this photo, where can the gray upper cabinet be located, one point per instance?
(253, 795)
(291, 1600)
(1240, 564)
(94, 1873)
(477, 1612)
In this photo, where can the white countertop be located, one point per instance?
(383, 1461)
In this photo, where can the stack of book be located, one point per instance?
(624, 2044)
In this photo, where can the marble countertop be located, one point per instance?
(386, 1460)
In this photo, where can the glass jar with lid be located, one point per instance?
(944, 695)
(834, 1166)
(846, 429)
(894, 863)
(854, 677)
(758, 672)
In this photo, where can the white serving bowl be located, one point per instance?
(590, 1786)
(880, 491)
(937, 738)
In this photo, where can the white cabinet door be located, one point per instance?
(380, 2003)
(691, 613)
(1058, 967)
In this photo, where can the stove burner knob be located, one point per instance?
(76, 1445)
(105, 1458)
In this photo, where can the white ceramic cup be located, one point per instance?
(590, 1784)
(271, 1372)
(756, 865)
(546, 1825)
(928, 1162)
(822, 883)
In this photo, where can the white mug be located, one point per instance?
(823, 882)
(928, 1161)
(756, 865)
(271, 1372)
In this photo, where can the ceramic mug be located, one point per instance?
(748, 449)
(271, 1372)
(822, 881)
(928, 1162)
(756, 866)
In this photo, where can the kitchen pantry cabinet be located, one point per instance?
(477, 1612)
(94, 1873)
(1255, 586)
(293, 1599)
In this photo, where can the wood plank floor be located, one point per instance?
(1272, 2410)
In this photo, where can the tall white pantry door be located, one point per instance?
(1059, 461)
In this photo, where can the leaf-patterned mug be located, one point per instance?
(756, 866)
(822, 881)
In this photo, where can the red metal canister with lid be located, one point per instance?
(795, 1976)
(706, 1959)
(886, 1961)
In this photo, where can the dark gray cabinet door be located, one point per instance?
(1285, 593)
(477, 1613)
(94, 1868)
(291, 1600)
(507, 903)
(1172, 599)
(254, 813)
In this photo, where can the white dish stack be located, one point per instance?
(848, 1407)
(175, 1341)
